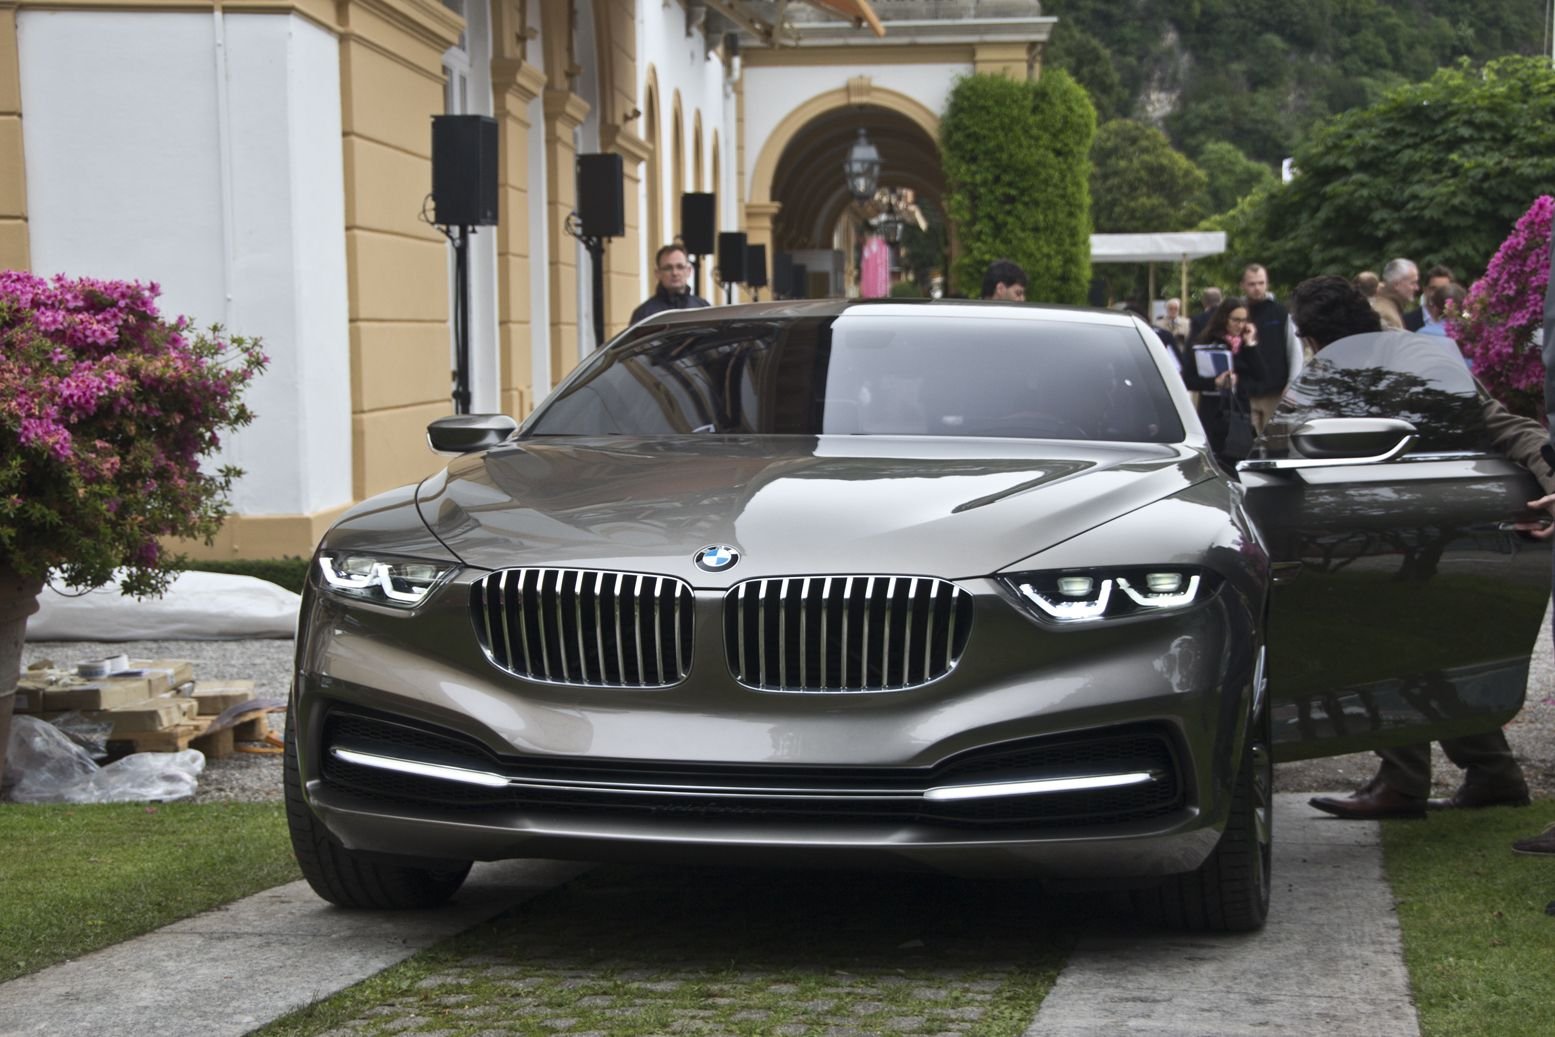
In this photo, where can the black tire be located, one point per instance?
(1229, 892)
(350, 879)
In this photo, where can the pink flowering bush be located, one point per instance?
(1505, 308)
(106, 409)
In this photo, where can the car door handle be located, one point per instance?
(1285, 572)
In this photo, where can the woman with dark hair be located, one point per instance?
(1218, 367)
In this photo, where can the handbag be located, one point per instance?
(1239, 430)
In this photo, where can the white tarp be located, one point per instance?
(1156, 248)
(197, 607)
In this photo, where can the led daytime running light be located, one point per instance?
(1071, 611)
(380, 578)
(1162, 601)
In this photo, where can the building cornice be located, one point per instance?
(908, 32)
(518, 77)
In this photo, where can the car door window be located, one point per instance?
(1390, 374)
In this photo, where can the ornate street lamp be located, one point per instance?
(862, 168)
(889, 225)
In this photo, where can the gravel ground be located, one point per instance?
(268, 664)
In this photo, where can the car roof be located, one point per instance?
(914, 308)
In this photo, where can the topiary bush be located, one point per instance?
(1017, 165)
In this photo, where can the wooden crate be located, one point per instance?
(194, 734)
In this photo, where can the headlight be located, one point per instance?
(1079, 596)
(398, 582)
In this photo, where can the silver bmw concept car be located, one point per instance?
(950, 586)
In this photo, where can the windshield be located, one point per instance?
(865, 375)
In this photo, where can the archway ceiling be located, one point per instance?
(808, 181)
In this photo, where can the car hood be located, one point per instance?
(952, 508)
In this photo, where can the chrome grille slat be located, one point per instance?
(876, 647)
(538, 623)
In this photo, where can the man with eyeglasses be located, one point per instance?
(674, 291)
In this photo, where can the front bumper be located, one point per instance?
(709, 771)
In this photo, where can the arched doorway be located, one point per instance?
(799, 200)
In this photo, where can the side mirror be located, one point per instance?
(467, 433)
(1330, 442)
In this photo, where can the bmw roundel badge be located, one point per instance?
(716, 558)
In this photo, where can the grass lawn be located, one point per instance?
(1477, 940)
(77, 878)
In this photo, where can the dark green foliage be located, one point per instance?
(1091, 64)
(1231, 175)
(1139, 184)
(1258, 73)
(1017, 161)
(290, 572)
(924, 251)
(906, 290)
(1438, 171)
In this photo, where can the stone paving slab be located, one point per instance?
(230, 970)
(1329, 961)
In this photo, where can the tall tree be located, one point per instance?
(1231, 175)
(1139, 183)
(1438, 171)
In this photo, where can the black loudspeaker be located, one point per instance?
(464, 170)
(731, 257)
(756, 266)
(601, 196)
(699, 223)
(783, 275)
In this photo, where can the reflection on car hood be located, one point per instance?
(790, 505)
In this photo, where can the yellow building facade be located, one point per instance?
(268, 161)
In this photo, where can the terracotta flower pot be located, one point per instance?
(18, 600)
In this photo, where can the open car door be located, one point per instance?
(1404, 604)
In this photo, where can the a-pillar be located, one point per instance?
(758, 231)
(564, 113)
(514, 84)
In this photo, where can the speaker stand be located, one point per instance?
(461, 242)
(596, 246)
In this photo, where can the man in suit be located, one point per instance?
(1330, 308)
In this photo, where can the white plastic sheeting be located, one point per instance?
(197, 607)
(42, 765)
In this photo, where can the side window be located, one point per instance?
(1390, 374)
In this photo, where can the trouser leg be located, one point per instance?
(1487, 761)
(1406, 769)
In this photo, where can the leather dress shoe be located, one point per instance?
(1541, 845)
(1472, 797)
(1371, 804)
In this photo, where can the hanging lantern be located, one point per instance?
(862, 168)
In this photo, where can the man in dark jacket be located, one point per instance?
(674, 291)
(1330, 308)
(1276, 344)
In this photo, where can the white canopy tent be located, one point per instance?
(1176, 247)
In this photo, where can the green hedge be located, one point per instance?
(290, 572)
(1017, 162)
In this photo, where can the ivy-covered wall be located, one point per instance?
(1017, 165)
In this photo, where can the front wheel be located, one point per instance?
(350, 879)
(1229, 892)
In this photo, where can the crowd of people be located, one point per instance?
(1237, 354)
